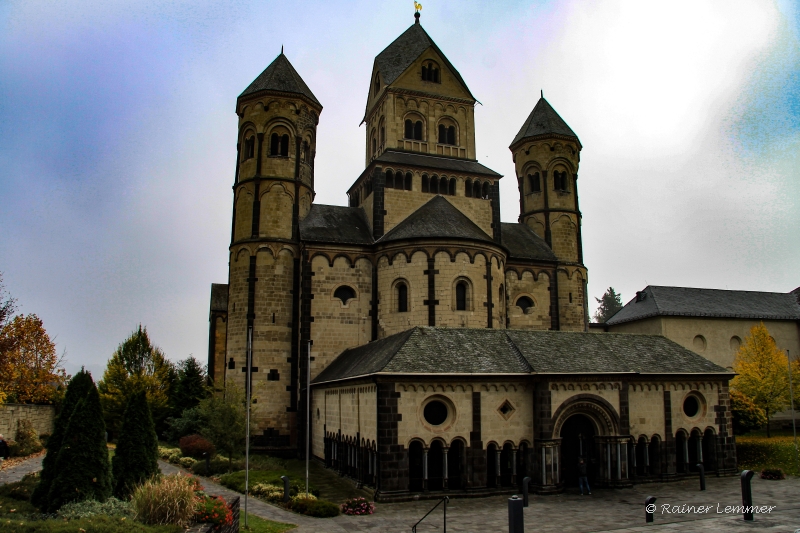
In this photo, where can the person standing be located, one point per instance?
(583, 480)
(4, 450)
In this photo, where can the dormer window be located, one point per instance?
(430, 72)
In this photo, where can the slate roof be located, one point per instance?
(428, 350)
(336, 224)
(219, 297)
(435, 162)
(523, 243)
(403, 51)
(543, 120)
(687, 301)
(280, 76)
(438, 218)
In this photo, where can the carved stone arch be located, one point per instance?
(462, 439)
(383, 260)
(594, 407)
(571, 386)
(531, 167)
(560, 160)
(272, 102)
(462, 110)
(451, 253)
(239, 252)
(319, 253)
(276, 185)
(244, 110)
(512, 270)
(266, 248)
(496, 446)
(274, 122)
(398, 254)
(476, 253)
(281, 248)
(359, 257)
(347, 257)
(243, 129)
(416, 439)
(440, 439)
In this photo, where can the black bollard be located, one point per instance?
(285, 488)
(702, 470)
(515, 518)
(747, 495)
(649, 508)
(208, 462)
(525, 482)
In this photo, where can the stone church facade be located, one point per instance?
(447, 350)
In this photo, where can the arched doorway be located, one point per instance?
(642, 459)
(654, 451)
(710, 450)
(577, 440)
(415, 472)
(491, 465)
(435, 466)
(506, 466)
(455, 465)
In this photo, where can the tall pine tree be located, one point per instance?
(77, 390)
(136, 457)
(82, 468)
(190, 387)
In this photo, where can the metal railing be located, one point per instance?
(445, 500)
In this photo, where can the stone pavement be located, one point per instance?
(620, 510)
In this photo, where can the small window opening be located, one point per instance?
(485, 191)
(344, 293)
(402, 298)
(535, 182)
(250, 147)
(418, 130)
(451, 135)
(435, 185)
(442, 134)
(570, 297)
(389, 179)
(476, 189)
(377, 84)
(285, 145)
(452, 190)
(468, 188)
(408, 181)
(525, 303)
(461, 296)
(409, 130)
(425, 185)
(275, 144)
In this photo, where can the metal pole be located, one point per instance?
(308, 411)
(794, 425)
(249, 363)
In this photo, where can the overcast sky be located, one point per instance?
(118, 140)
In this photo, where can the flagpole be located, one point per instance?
(308, 411)
(249, 363)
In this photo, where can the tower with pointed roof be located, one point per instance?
(546, 154)
(273, 191)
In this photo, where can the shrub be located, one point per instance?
(747, 416)
(43, 438)
(136, 456)
(313, 507)
(175, 457)
(217, 466)
(213, 511)
(772, 473)
(164, 452)
(195, 446)
(26, 441)
(165, 500)
(189, 423)
(267, 491)
(22, 489)
(235, 481)
(187, 462)
(358, 506)
(89, 508)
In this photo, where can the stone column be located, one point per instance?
(497, 465)
(700, 449)
(514, 467)
(444, 467)
(425, 469)
(647, 458)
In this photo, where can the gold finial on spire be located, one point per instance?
(417, 6)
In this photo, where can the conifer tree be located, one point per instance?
(77, 390)
(82, 468)
(609, 304)
(136, 457)
(190, 387)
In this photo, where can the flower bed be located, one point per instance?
(358, 506)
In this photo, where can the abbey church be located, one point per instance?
(447, 351)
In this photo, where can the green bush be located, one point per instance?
(235, 481)
(187, 462)
(772, 473)
(189, 423)
(164, 452)
(175, 457)
(136, 456)
(313, 507)
(218, 466)
(89, 508)
(26, 441)
(95, 524)
(165, 500)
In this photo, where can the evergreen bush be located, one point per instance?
(136, 457)
(76, 391)
(26, 441)
(90, 508)
(82, 469)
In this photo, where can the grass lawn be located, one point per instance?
(755, 451)
(259, 525)
(97, 524)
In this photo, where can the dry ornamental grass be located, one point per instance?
(165, 500)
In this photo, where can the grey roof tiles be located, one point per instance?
(438, 218)
(432, 162)
(523, 243)
(280, 76)
(687, 301)
(543, 120)
(336, 224)
(426, 350)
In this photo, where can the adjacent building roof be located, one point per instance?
(687, 301)
(219, 297)
(523, 243)
(398, 56)
(429, 350)
(544, 120)
(280, 76)
(438, 218)
(336, 224)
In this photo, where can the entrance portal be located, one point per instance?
(577, 440)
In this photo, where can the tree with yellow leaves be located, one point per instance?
(763, 372)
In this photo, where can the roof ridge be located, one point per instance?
(718, 290)
(518, 352)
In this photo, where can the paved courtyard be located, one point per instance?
(620, 510)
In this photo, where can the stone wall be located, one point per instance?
(41, 416)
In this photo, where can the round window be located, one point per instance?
(435, 413)
(691, 406)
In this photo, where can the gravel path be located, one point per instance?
(17, 472)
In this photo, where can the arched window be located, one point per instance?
(442, 134)
(435, 185)
(559, 181)
(468, 188)
(476, 189)
(249, 147)
(424, 72)
(451, 135)
(402, 297)
(389, 179)
(409, 131)
(485, 190)
(452, 188)
(418, 130)
(383, 135)
(425, 187)
(408, 181)
(430, 72)
(461, 295)
(377, 85)
(306, 152)
(284, 145)
(374, 146)
(275, 144)
(398, 180)
(535, 182)
(344, 293)
(525, 303)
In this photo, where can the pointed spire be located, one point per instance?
(281, 49)
(280, 76)
(544, 120)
